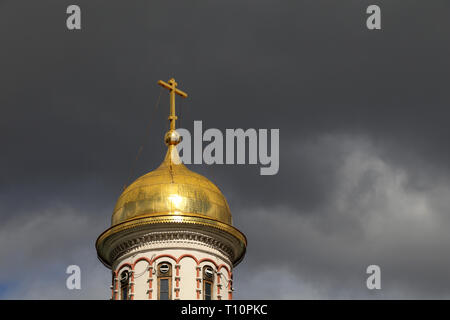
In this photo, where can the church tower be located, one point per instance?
(171, 234)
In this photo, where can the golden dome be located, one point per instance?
(171, 197)
(172, 190)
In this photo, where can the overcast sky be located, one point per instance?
(364, 137)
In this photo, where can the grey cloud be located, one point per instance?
(38, 247)
(373, 217)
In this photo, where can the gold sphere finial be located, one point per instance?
(172, 138)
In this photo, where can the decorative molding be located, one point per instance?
(134, 243)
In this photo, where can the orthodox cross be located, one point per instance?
(171, 85)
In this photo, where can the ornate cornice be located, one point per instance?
(130, 244)
(134, 233)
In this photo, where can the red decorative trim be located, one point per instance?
(123, 266)
(177, 280)
(187, 256)
(226, 268)
(162, 256)
(218, 267)
(210, 260)
(141, 259)
(198, 282)
(150, 277)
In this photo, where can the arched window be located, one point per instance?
(124, 284)
(208, 281)
(164, 281)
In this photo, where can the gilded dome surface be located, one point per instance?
(170, 199)
(171, 190)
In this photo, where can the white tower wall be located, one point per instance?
(187, 260)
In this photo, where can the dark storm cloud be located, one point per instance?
(76, 106)
(372, 216)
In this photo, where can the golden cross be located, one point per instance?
(172, 86)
